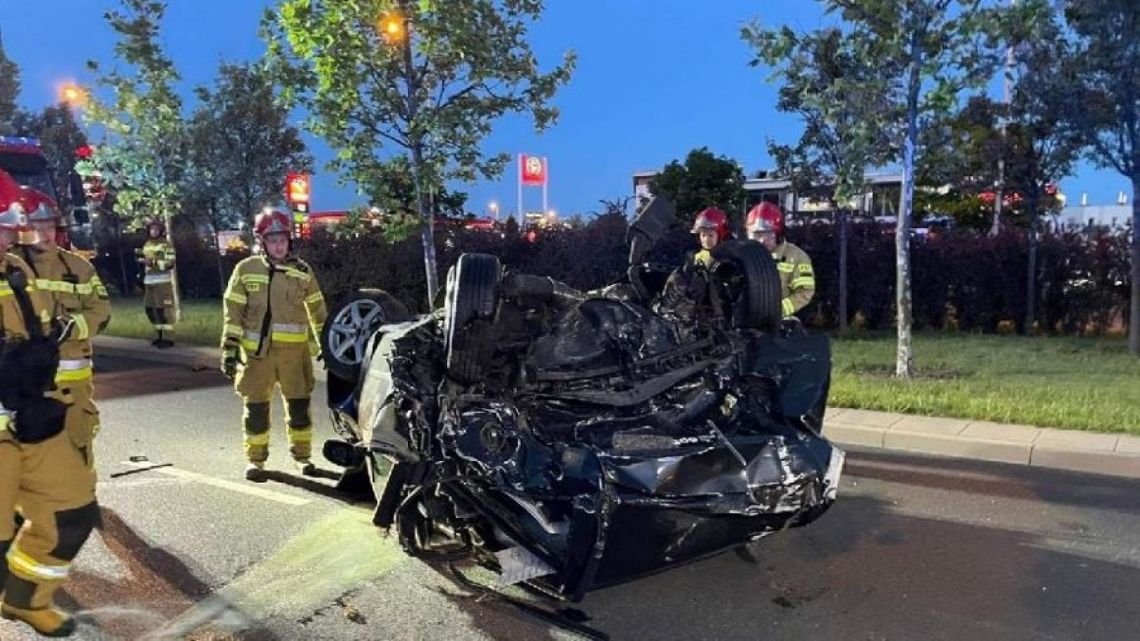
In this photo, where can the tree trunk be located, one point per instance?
(221, 250)
(1031, 272)
(427, 235)
(124, 286)
(843, 271)
(904, 358)
(1134, 308)
(416, 150)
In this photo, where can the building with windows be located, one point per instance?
(881, 198)
(1090, 217)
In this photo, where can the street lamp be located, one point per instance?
(72, 94)
(392, 27)
(494, 207)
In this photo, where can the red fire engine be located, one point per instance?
(23, 158)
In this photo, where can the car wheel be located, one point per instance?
(752, 283)
(350, 326)
(469, 307)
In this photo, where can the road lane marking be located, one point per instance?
(244, 488)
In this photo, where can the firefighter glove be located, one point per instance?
(230, 360)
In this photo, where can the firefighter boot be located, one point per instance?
(255, 472)
(35, 575)
(49, 622)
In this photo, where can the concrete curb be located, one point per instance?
(1075, 450)
(1094, 452)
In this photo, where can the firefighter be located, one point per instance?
(79, 299)
(271, 304)
(686, 292)
(711, 228)
(797, 280)
(159, 282)
(43, 475)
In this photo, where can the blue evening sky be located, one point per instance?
(655, 78)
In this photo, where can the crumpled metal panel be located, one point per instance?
(627, 442)
(771, 470)
(383, 387)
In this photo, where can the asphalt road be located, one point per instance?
(915, 549)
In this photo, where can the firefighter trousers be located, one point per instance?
(53, 488)
(289, 366)
(161, 308)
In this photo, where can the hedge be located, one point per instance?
(962, 280)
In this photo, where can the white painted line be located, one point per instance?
(244, 488)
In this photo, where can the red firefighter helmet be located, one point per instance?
(13, 216)
(271, 221)
(40, 206)
(766, 217)
(715, 219)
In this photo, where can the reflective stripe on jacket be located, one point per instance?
(75, 291)
(158, 260)
(797, 279)
(12, 324)
(267, 303)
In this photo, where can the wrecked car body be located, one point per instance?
(571, 440)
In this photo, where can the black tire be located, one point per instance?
(469, 309)
(344, 339)
(758, 296)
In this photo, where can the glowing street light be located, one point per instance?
(392, 27)
(494, 207)
(72, 94)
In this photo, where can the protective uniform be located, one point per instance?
(686, 291)
(709, 219)
(797, 279)
(270, 308)
(160, 283)
(43, 473)
(78, 299)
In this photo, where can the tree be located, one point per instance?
(921, 55)
(704, 180)
(1107, 84)
(142, 159)
(427, 79)
(240, 147)
(846, 123)
(60, 136)
(396, 192)
(960, 163)
(9, 91)
(1042, 144)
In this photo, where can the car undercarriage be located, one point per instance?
(572, 440)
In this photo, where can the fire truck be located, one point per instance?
(23, 158)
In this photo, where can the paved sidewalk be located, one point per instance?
(1076, 450)
(1081, 451)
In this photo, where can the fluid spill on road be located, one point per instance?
(328, 558)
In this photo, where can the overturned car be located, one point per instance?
(571, 440)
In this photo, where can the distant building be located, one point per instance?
(1084, 217)
(881, 199)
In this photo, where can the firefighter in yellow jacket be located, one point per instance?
(79, 299)
(160, 284)
(271, 304)
(797, 279)
(43, 474)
